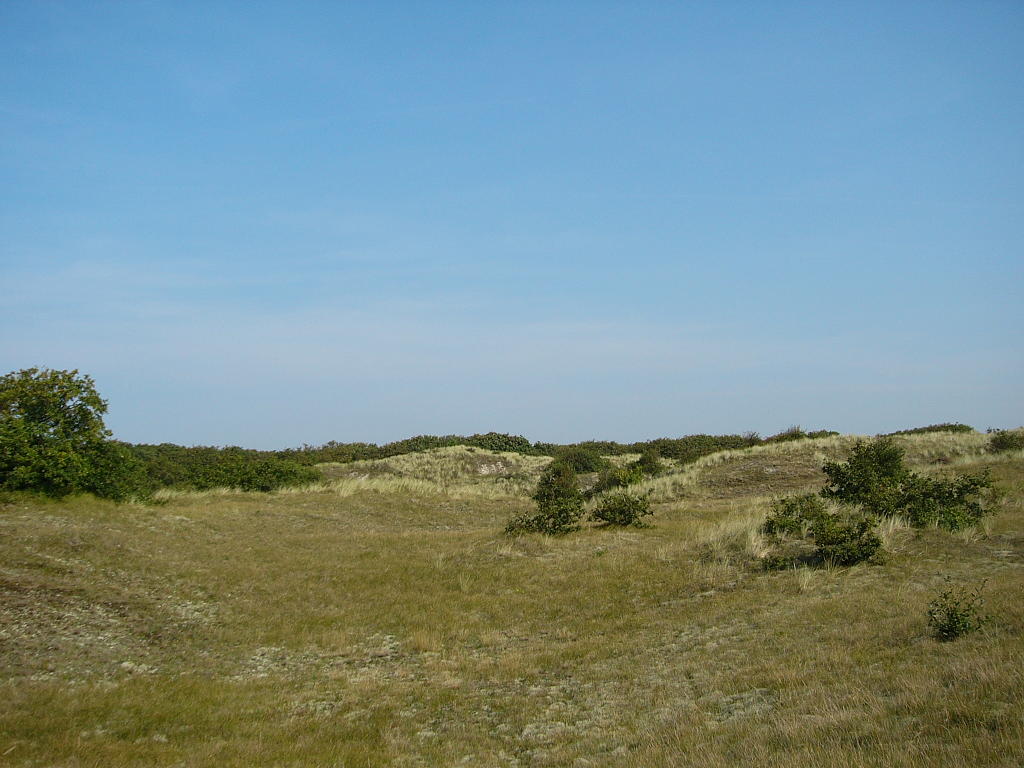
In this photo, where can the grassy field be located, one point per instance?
(382, 619)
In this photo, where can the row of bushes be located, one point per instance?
(204, 467)
(344, 453)
(944, 427)
(683, 449)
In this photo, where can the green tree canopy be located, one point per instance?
(53, 439)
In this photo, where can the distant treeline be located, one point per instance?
(684, 449)
(203, 467)
(949, 427)
(53, 440)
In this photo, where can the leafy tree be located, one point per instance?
(53, 439)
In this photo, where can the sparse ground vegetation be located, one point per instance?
(379, 617)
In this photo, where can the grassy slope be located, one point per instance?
(381, 619)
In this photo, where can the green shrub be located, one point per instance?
(617, 477)
(875, 478)
(821, 433)
(793, 433)
(798, 433)
(581, 459)
(871, 477)
(649, 464)
(559, 504)
(622, 509)
(1006, 440)
(501, 443)
(946, 427)
(202, 467)
(690, 448)
(116, 474)
(793, 515)
(952, 504)
(956, 612)
(845, 541)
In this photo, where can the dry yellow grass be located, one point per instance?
(382, 619)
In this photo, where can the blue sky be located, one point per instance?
(273, 223)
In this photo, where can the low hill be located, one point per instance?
(381, 618)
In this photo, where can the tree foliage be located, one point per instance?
(53, 439)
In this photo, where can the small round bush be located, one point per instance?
(956, 612)
(845, 542)
(582, 460)
(793, 514)
(622, 509)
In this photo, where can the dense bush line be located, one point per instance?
(947, 427)
(203, 467)
(682, 449)
(53, 440)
